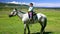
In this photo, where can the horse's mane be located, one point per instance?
(22, 12)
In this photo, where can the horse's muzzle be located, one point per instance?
(10, 15)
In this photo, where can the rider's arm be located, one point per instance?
(30, 9)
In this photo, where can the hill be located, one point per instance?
(12, 5)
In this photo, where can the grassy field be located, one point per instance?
(14, 25)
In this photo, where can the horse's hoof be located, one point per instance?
(28, 33)
(41, 33)
(24, 33)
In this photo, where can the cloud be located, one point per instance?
(14, 2)
(49, 4)
(45, 4)
(36, 4)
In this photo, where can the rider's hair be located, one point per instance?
(31, 3)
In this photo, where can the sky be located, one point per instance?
(38, 3)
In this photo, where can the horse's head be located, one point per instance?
(13, 13)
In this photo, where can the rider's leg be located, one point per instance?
(29, 14)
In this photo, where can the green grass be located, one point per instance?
(14, 25)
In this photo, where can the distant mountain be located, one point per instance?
(10, 4)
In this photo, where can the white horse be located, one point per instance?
(41, 18)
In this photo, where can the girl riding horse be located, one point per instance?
(31, 11)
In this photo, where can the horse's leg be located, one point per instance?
(28, 29)
(43, 25)
(24, 28)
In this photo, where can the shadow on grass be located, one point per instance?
(44, 33)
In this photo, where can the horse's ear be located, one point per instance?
(15, 9)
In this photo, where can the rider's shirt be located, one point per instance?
(30, 9)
